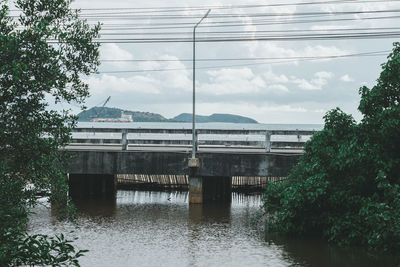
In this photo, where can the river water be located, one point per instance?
(142, 228)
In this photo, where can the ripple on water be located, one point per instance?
(160, 229)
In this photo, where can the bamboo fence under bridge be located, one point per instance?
(181, 182)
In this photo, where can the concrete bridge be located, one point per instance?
(98, 154)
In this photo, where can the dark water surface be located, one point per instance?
(162, 229)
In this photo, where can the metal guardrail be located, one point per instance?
(266, 139)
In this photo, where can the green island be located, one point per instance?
(138, 116)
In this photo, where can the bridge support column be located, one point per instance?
(92, 186)
(195, 189)
(209, 189)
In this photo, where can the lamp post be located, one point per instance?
(194, 87)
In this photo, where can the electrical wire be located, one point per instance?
(249, 32)
(225, 15)
(240, 65)
(215, 7)
(248, 59)
(170, 26)
(288, 37)
(158, 9)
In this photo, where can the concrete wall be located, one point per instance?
(211, 164)
(92, 173)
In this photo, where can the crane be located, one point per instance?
(105, 102)
(98, 111)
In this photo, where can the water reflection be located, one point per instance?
(209, 213)
(141, 228)
(96, 207)
(314, 252)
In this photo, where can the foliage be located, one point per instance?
(37, 250)
(43, 53)
(346, 187)
(109, 113)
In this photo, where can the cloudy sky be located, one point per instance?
(273, 81)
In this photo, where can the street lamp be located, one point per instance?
(194, 87)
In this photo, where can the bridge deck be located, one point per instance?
(99, 155)
(166, 151)
(163, 162)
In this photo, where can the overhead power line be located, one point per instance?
(171, 26)
(163, 9)
(281, 37)
(242, 33)
(251, 58)
(369, 54)
(216, 7)
(304, 15)
(125, 15)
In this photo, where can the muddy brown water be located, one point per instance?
(141, 228)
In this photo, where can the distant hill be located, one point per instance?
(108, 113)
(187, 117)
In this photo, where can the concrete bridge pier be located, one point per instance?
(203, 189)
(92, 186)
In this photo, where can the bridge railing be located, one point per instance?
(265, 139)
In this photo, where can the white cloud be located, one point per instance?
(109, 84)
(180, 78)
(232, 81)
(114, 52)
(274, 78)
(278, 88)
(359, 22)
(285, 108)
(149, 65)
(320, 79)
(274, 50)
(346, 78)
(324, 75)
(243, 81)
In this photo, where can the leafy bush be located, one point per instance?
(346, 187)
(44, 52)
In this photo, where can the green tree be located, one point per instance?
(346, 187)
(44, 52)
